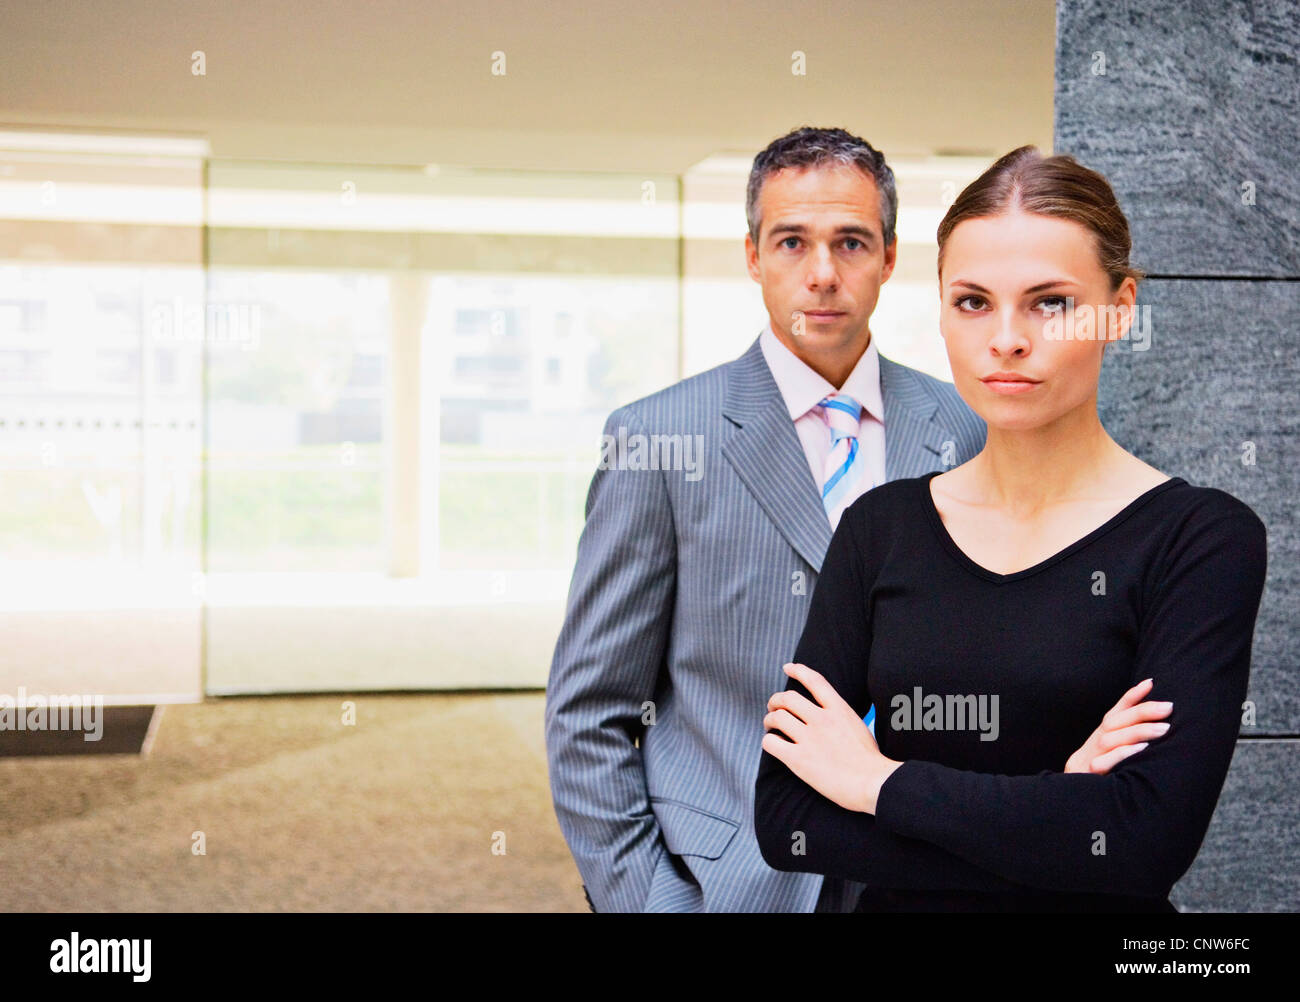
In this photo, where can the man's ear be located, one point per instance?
(751, 260)
(891, 259)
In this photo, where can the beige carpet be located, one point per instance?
(299, 812)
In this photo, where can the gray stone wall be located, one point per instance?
(1192, 111)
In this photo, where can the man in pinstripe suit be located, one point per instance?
(706, 524)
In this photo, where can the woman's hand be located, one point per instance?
(830, 748)
(1123, 732)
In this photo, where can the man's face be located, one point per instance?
(821, 260)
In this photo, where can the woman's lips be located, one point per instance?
(1009, 386)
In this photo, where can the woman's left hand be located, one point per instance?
(830, 748)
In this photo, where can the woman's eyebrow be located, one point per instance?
(1052, 284)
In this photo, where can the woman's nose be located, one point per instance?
(1010, 337)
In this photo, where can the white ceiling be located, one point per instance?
(619, 86)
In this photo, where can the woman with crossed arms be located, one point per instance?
(993, 613)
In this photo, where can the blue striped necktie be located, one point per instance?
(843, 415)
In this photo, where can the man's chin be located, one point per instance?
(832, 337)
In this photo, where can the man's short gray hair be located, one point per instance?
(809, 147)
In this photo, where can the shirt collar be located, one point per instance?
(802, 388)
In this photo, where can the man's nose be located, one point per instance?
(821, 268)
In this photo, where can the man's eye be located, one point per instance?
(855, 241)
(787, 240)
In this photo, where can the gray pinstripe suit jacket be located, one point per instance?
(689, 594)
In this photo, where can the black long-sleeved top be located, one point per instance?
(1166, 589)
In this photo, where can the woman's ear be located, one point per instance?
(1124, 301)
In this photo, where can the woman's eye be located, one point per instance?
(977, 300)
(1052, 304)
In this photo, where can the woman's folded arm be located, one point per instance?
(799, 829)
(1138, 828)
(1133, 831)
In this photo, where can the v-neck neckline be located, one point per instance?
(962, 558)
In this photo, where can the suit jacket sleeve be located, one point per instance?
(606, 668)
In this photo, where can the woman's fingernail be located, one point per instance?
(1162, 727)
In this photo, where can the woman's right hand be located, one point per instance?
(1125, 730)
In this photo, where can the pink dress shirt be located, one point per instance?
(802, 389)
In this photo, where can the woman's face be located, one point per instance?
(1025, 295)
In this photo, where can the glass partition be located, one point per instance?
(101, 290)
(401, 440)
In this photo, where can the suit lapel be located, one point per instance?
(913, 441)
(765, 451)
